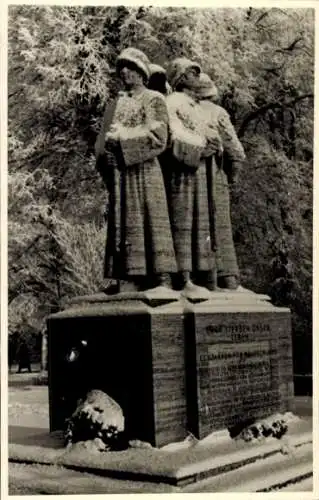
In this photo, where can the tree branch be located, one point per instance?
(27, 249)
(271, 105)
(290, 47)
(264, 14)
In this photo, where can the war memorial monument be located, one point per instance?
(173, 351)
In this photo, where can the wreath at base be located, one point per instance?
(263, 429)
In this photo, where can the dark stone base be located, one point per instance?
(173, 366)
(239, 362)
(303, 385)
(134, 353)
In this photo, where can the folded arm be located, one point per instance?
(187, 144)
(147, 141)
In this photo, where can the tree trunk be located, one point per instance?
(44, 351)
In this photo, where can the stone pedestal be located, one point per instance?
(239, 361)
(173, 366)
(133, 351)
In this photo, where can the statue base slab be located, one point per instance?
(173, 366)
(153, 297)
(133, 351)
(215, 464)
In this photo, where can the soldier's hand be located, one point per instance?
(214, 143)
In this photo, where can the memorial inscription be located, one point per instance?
(245, 370)
(241, 368)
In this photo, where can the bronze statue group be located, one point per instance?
(160, 152)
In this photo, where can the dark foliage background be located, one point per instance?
(61, 74)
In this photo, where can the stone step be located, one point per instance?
(212, 458)
(266, 474)
(303, 485)
(285, 473)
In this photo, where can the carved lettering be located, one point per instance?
(239, 330)
(241, 355)
(236, 380)
(241, 366)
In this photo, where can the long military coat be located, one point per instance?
(218, 118)
(186, 181)
(139, 240)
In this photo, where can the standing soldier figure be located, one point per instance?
(139, 246)
(225, 174)
(188, 196)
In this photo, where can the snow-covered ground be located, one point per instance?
(28, 409)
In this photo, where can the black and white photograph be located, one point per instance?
(159, 300)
